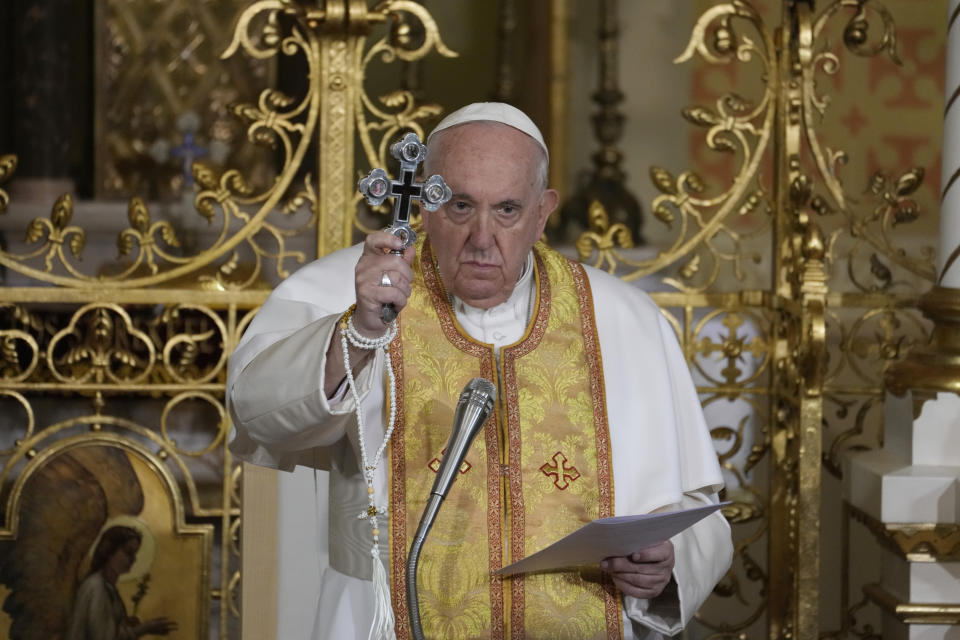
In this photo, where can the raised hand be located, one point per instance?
(377, 267)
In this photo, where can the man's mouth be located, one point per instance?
(480, 265)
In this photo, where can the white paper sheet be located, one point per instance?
(606, 537)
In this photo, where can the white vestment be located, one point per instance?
(663, 456)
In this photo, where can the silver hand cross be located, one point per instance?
(431, 193)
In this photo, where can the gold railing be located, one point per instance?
(128, 353)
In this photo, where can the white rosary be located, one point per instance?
(383, 621)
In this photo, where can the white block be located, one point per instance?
(935, 582)
(936, 433)
(886, 488)
(920, 494)
(863, 475)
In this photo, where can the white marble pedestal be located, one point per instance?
(908, 495)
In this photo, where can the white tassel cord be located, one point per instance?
(383, 620)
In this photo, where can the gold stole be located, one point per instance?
(540, 470)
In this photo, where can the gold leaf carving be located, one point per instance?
(396, 98)
(8, 164)
(124, 244)
(138, 214)
(738, 512)
(246, 112)
(35, 230)
(877, 183)
(264, 137)
(691, 268)
(239, 184)
(62, 211)
(9, 360)
(426, 111)
(751, 203)
(700, 116)
(663, 180)
(230, 265)
(204, 207)
(204, 175)
(724, 38)
(278, 99)
(77, 242)
(664, 214)
(721, 143)
(694, 182)
(169, 234)
(270, 34)
(909, 181)
(905, 212)
(736, 103)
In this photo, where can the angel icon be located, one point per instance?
(84, 555)
(99, 612)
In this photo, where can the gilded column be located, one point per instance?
(801, 353)
(344, 25)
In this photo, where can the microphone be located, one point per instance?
(474, 406)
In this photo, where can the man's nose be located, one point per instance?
(481, 230)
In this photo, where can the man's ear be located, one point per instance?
(548, 203)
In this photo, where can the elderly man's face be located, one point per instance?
(481, 238)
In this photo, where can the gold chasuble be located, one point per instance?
(541, 469)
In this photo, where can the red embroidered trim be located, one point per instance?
(398, 505)
(591, 343)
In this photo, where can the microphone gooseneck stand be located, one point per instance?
(475, 403)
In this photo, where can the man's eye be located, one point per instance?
(459, 211)
(508, 213)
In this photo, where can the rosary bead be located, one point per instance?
(349, 333)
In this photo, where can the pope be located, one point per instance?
(596, 413)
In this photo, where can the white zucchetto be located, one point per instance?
(493, 112)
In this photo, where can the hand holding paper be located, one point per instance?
(644, 573)
(609, 537)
